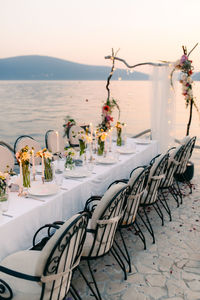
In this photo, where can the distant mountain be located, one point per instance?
(36, 67)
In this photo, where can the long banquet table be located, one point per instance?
(27, 215)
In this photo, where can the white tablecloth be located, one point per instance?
(28, 214)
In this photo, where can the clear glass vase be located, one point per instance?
(69, 164)
(119, 137)
(48, 170)
(100, 148)
(3, 199)
(26, 175)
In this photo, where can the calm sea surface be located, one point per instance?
(33, 107)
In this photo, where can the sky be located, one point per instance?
(85, 31)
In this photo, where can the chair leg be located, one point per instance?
(140, 233)
(126, 254)
(147, 224)
(159, 211)
(173, 191)
(119, 261)
(94, 280)
(164, 203)
(97, 296)
(74, 293)
(179, 192)
(188, 183)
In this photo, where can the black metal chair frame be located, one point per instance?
(152, 191)
(108, 214)
(130, 214)
(19, 138)
(51, 267)
(168, 183)
(189, 147)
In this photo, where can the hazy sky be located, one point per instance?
(85, 30)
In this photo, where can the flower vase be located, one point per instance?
(48, 170)
(119, 137)
(69, 164)
(82, 147)
(26, 175)
(100, 148)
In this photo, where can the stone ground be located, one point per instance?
(168, 269)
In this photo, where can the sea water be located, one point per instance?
(33, 107)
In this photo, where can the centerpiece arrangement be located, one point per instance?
(69, 153)
(119, 127)
(23, 158)
(47, 170)
(101, 138)
(69, 122)
(3, 187)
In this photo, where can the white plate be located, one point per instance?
(126, 151)
(45, 189)
(106, 160)
(142, 142)
(76, 173)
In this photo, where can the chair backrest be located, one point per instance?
(60, 256)
(24, 140)
(54, 143)
(105, 218)
(7, 160)
(137, 188)
(188, 144)
(175, 156)
(156, 174)
(73, 132)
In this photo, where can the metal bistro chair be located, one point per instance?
(7, 160)
(24, 140)
(149, 197)
(168, 183)
(179, 175)
(137, 185)
(105, 215)
(72, 135)
(51, 141)
(45, 274)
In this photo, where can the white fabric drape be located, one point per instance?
(162, 108)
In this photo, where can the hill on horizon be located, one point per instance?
(37, 67)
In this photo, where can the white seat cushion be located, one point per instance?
(24, 262)
(6, 159)
(109, 194)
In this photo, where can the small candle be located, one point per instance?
(42, 166)
(91, 130)
(105, 144)
(125, 137)
(33, 163)
(57, 142)
(110, 140)
(20, 173)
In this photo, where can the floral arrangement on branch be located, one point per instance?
(69, 122)
(110, 103)
(184, 64)
(23, 157)
(69, 154)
